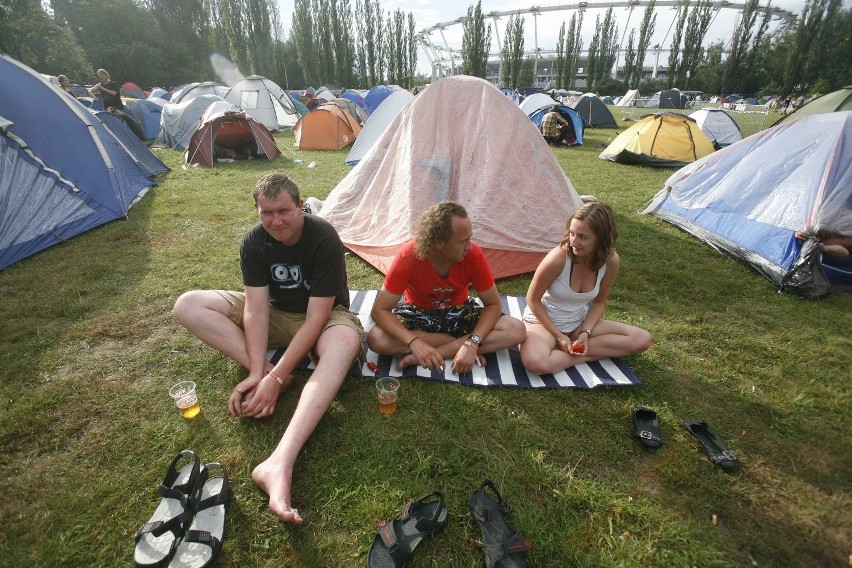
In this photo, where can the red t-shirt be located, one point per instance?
(426, 289)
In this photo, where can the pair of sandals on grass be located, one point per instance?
(647, 431)
(186, 529)
(504, 547)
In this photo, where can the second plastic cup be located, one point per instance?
(186, 399)
(387, 389)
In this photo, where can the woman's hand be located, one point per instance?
(563, 343)
(579, 346)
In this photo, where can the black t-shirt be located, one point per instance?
(312, 267)
(113, 101)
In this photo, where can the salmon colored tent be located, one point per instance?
(459, 139)
(327, 127)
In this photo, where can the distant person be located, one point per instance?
(567, 298)
(65, 85)
(295, 295)
(554, 127)
(109, 90)
(436, 319)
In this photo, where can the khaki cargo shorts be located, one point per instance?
(284, 325)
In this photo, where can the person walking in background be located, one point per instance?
(295, 295)
(568, 294)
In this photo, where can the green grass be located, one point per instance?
(89, 349)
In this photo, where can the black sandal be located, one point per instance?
(157, 539)
(716, 451)
(647, 426)
(396, 540)
(201, 544)
(503, 546)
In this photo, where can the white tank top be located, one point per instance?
(566, 308)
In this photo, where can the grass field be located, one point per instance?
(89, 349)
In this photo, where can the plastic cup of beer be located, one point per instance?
(186, 399)
(387, 389)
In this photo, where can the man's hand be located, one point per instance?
(426, 355)
(254, 398)
(465, 359)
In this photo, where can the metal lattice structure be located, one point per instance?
(446, 60)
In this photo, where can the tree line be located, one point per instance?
(169, 42)
(813, 55)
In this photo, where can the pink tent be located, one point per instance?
(459, 139)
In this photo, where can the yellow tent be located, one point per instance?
(664, 139)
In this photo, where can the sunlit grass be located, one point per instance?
(89, 350)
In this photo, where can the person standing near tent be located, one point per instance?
(109, 90)
(554, 127)
(295, 295)
(568, 294)
(437, 319)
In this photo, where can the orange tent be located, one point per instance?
(327, 127)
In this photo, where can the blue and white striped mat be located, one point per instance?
(502, 369)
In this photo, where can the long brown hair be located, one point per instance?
(601, 221)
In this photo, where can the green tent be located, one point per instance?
(832, 102)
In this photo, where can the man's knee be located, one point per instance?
(185, 305)
(378, 340)
(514, 327)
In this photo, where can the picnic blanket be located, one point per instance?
(502, 369)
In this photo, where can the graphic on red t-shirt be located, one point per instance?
(427, 289)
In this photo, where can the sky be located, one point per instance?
(427, 13)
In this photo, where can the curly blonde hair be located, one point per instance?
(601, 221)
(435, 226)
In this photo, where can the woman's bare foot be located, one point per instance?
(273, 479)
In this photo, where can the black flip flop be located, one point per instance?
(716, 451)
(647, 426)
(504, 547)
(396, 540)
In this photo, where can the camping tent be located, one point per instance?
(748, 199)
(132, 90)
(223, 125)
(718, 125)
(179, 122)
(664, 139)
(192, 90)
(838, 100)
(512, 95)
(355, 97)
(671, 98)
(594, 112)
(146, 113)
(57, 181)
(536, 101)
(376, 95)
(357, 112)
(264, 101)
(575, 121)
(327, 127)
(628, 98)
(448, 143)
(377, 124)
(130, 143)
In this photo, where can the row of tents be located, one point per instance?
(746, 199)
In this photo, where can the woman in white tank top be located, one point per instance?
(568, 294)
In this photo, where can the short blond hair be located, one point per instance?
(273, 184)
(435, 226)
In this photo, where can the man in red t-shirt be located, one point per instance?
(437, 320)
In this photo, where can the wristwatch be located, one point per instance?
(476, 339)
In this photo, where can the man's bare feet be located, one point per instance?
(407, 361)
(274, 480)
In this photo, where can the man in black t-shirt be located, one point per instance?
(295, 296)
(109, 90)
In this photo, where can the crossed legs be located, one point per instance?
(540, 354)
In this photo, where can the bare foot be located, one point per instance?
(407, 361)
(273, 480)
